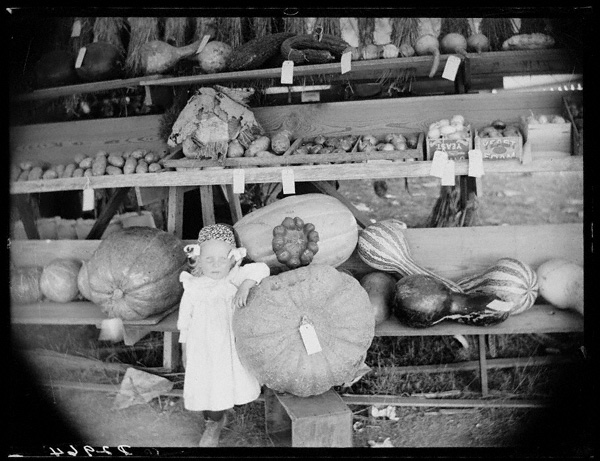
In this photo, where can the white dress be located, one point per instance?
(215, 379)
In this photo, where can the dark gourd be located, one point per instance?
(102, 61)
(295, 243)
(380, 287)
(313, 49)
(256, 52)
(56, 68)
(421, 301)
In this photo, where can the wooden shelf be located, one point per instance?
(351, 171)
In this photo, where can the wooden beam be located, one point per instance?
(115, 201)
(483, 366)
(175, 211)
(207, 204)
(234, 203)
(394, 400)
(27, 217)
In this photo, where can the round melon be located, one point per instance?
(214, 56)
(334, 222)
(25, 285)
(268, 338)
(561, 283)
(134, 272)
(59, 280)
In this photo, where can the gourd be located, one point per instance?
(380, 287)
(509, 279)
(213, 57)
(254, 53)
(382, 246)
(478, 43)
(561, 283)
(310, 49)
(269, 342)
(422, 301)
(429, 44)
(454, 43)
(25, 285)
(102, 61)
(58, 281)
(334, 222)
(158, 56)
(295, 243)
(55, 68)
(134, 272)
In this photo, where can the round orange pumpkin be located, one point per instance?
(268, 338)
(134, 272)
(59, 280)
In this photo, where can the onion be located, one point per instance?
(370, 52)
(478, 43)
(390, 51)
(406, 50)
(428, 44)
(454, 43)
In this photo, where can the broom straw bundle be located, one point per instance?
(176, 31)
(205, 26)
(229, 30)
(405, 31)
(497, 30)
(366, 26)
(143, 30)
(109, 30)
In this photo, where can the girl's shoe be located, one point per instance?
(212, 431)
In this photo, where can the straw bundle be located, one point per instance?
(455, 25)
(143, 30)
(205, 26)
(405, 31)
(259, 27)
(497, 30)
(366, 26)
(176, 31)
(330, 26)
(109, 30)
(229, 30)
(294, 25)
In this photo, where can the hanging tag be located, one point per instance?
(203, 43)
(80, 57)
(287, 181)
(309, 337)
(438, 163)
(76, 31)
(88, 199)
(346, 61)
(452, 65)
(239, 178)
(287, 72)
(310, 96)
(148, 96)
(448, 177)
(502, 306)
(475, 163)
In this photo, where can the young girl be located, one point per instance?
(215, 379)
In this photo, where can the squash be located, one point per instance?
(429, 44)
(25, 285)
(334, 222)
(134, 272)
(380, 287)
(509, 279)
(102, 61)
(270, 344)
(58, 281)
(214, 56)
(561, 283)
(56, 68)
(382, 246)
(421, 301)
(294, 242)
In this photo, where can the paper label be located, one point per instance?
(239, 178)
(438, 163)
(287, 181)
(88, 199)
(448, 178)
(451, 68)
(309, 338)
(346, 62)
(310, 96)
(475, 163)
(76, 31)
(203, 43)
(80, 57)
(287, 72)
(498, 305)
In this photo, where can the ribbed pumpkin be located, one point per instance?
(509, 279)
(335, 223)
(269, 342)
(58, 281)
(134, 272)
(83, 283)
(25, 285)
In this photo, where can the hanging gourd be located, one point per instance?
(319, 301)
(142, 30)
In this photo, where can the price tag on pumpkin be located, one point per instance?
(239, 179)
(451, 68)
(346, 61)
(498, 305)
(287, 72)
(438, 163)
(76, 30)
(309, 337)
(203, 43)
(448, 178)
(475, 163)
(80, 57)
(287, 181)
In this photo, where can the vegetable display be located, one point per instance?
(561, 283)
(498, 129)
(157, 56)
(295, 243)
(454, 43)
(319, 297)
(58, 281)
(254, 53)
(313, 48)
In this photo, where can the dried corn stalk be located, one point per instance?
(366, 26)
(261, 26)
(294, 25)
(455, 25)
(229, 30)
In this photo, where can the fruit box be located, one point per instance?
(457, 149)
(499, 148)
(547, 137)
(576, 120)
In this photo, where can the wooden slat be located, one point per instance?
(115, 201)
(175, 211)
(27, 218)
(398, 401)
(207, 205)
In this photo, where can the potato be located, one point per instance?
(129, 166)
(138, 154)
(78, 173)
(50, 174)
(86, 163)
(69, 170)
(24, 176)
(235, 149)
(116, 160)
(113, 170)
(151, 157)
(320, 139)
(35, 173)
(79, 158)
(60, 169)
(101, 153)
(142, 167)
(99, 166)
(15, 172)
(260, 143)
(154, 167)
(332, 142)
(88, 172)
(280, 142)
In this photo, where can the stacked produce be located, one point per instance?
(498, 129)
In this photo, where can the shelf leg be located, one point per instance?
(483, 366)
(208, 206)
(108, 212)
(175, 211)
(234, 203)
(171, 350)
(27, 217)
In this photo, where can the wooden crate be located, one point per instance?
(547, 137)
(577, 131)
(500, 148)
(457, 149)
(317, 421)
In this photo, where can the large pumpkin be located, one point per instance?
(334, 222)
(134, 272)
(268, 338)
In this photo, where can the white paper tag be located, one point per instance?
(451, 68)
(239, 179)
(88, 199)
(76, 31)
(287, 72)
(287, 181)
(309, 338)
(475, 163)
(438, 163)
(498, 305)
(346, 62)
(203, 43)
(310, 96)
(448, 178)
(80, 57)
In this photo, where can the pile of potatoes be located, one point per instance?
(103, 163)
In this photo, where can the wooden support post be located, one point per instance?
(208, 206)
(483, 366)
(108, 212)
(171, 350)
(234, 203)
(27, 217)
(175, 211)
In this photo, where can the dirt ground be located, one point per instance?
(56, 417)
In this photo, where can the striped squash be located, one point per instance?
(383, 246)
(509, 279)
